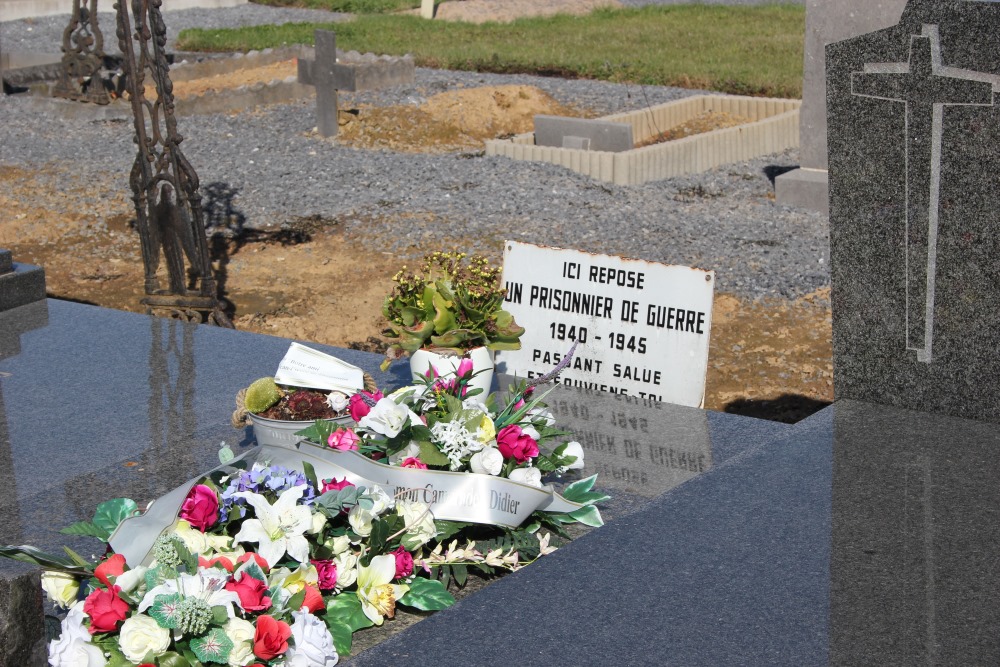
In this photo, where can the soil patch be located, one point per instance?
(706, 121)
(451, 121)
(244, 77)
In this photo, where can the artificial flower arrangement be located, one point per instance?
(272, 566)
(449, 304)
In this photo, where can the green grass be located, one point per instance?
(749, 50)
(349, 6)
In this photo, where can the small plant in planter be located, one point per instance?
(278, 412)
(450, 306)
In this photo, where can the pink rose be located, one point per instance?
(201, 508)
(252, 592)
(327, 571)
(334, 485)
(514, 444)
(413, 462)
(106, 610)
(464, 369)
(343, 439)
(359, 408)
(404, 563)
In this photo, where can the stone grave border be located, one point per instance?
(775, 127)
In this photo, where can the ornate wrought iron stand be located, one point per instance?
(83, 57)
(164, 184)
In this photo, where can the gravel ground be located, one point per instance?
(724, 220)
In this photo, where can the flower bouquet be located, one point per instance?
(450, 308)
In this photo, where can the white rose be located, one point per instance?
(382, 500)
(387, 418)
(574, 448)
(542, 415)
(60, 588)
(419, 522)
(318, 521)
(241, 633)
(338, 545)
(337, 400)
(73, 648)
(313, 643)
(347, 569)
(532, 432)
(529, 476)
(487, 462)
(140, 635)
(360, 520)
(129, 579)
(411, 450)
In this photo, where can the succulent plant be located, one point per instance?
(261, 395)
(450, 305)
(307, 405)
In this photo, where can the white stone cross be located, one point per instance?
(926, 87)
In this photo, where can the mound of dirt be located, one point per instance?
(451, 121)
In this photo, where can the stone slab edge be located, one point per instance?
(25, 284)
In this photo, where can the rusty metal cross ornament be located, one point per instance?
(164, 184)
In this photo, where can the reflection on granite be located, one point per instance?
(100, 404)
(915, 567)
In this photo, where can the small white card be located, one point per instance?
(306, 367)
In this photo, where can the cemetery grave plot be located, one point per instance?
(760, 352)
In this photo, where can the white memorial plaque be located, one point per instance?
(643, 328)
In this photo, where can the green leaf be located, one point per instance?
(213, 646)
(341, 634)
(379, 536)
(77, 558)
(172, 659)
(226, 454)
(310, 473)
(164, 610)
(219, 615)
(112, 512)
(431, 455)
(461, 574)
(295, 603)
(85, 528)
(33, 556)
(427, 595)
(446, 529)
(346, 608)
(588, 516)
(578, 487)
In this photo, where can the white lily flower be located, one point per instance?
(278, 528)
(376, 591)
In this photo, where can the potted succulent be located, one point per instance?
(278, 412)
(450, 310)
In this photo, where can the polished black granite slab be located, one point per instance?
(912, 132)
(97, 404)
(866, 535)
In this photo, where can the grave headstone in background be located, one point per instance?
(427, 9)
(19, 283)
(354, 72)
(826, 21)
(583, 134)
(914, 211)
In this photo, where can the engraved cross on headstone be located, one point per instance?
(926, 87)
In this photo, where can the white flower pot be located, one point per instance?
(447, 364)
(281, 433)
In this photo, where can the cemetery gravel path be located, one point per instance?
(771, 335)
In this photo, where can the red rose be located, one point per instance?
(514, 444)
(256, 557)
(313, 600)
(218, 560)
(106, 610)
(404, 563)
(359, 408)
(271, 638)
(334, 485)
(252, 592)
(201, 508)
(413, 462)
(327, 571)
(112, 567)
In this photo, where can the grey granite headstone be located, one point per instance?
(915, 249)
(826, 21)
(597, 135)
(19, 283)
